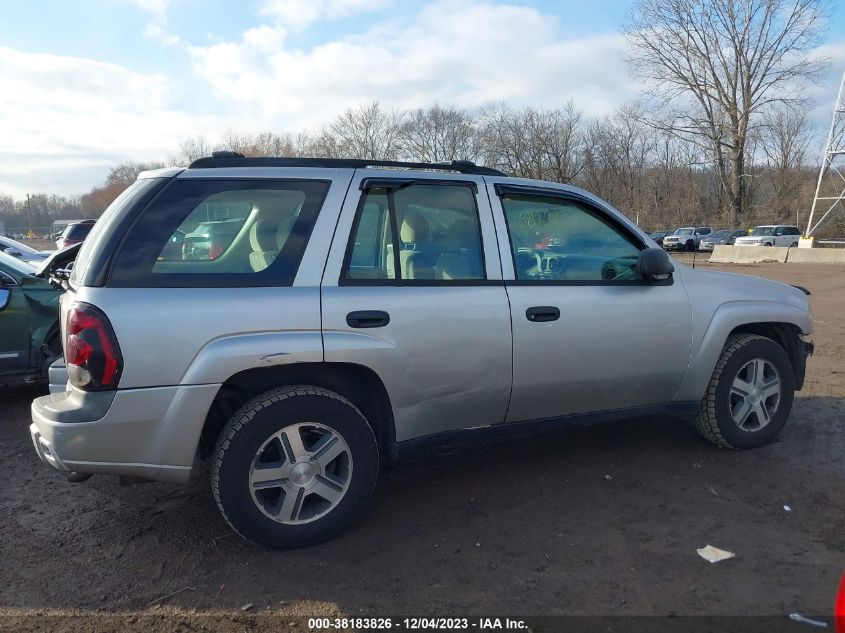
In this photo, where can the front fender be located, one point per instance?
(708, 346)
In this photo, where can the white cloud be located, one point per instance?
(69, 118)
(467, 54)
(156, 28)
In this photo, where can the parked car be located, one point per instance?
(210, 239)
(771, 235)
(22, 251)
(337, 330)
(29, 321)
(721, 238)
(686, 238)
(74, 233)
(658, 236)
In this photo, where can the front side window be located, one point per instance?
(218, 232)
(556, 239)
(417, 233)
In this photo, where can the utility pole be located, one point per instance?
(28, 216)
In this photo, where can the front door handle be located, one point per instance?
(540, 314)
(367, 318)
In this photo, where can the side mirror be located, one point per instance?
(654, 264)
(5, 294)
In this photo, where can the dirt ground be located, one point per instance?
(602, 519)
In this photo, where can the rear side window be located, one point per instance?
(77, 231)
(200, 233)
(424, 234)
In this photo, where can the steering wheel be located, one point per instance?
(528, 264)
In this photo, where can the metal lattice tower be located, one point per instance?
(830, 189)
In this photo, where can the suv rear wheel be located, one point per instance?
(294, 466)
(750, 394)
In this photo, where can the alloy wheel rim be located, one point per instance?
(755, 395)
(300, 473)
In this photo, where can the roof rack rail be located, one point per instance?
(234, 159)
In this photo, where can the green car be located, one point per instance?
(29, 321)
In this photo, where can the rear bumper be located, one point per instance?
(151, 433)
(57, 376)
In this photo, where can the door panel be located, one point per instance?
(14, 333)
(589, 333)
(416, 301)
(613, 347)
(444, 357)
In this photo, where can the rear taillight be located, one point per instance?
(91, 353)
(839, 606)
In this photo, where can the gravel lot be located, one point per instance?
(603, 519)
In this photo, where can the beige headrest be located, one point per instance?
(262, 236)
(414, 229)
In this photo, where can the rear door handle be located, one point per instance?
(367, 318)
(539, 314)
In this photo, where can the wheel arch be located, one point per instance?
(782, 323)
(357, 383)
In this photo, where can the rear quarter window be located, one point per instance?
(220, 233)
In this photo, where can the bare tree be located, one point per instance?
(260, 144)
(366, 131)
(533, 142)
(191, 149)
(438, 134)
(722, 62)
(784, 137)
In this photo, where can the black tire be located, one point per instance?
(258, 420)
(794, 245)
(690, 246)
(767, 244)
(714, 420)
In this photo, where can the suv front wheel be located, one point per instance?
(750, 394)
(294, 466)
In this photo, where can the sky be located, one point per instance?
(87, 84)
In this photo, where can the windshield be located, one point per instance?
(683, 231)
(16, 264)
(720, 234)
(763, 230)
(6, 242)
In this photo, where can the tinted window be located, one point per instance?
(555, 239)
(438, 235)
(220, 233)
(111, 215)
(373, 240)
(763, 230)
(77, 231)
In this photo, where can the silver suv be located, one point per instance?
(686, 238)
(355, 310)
